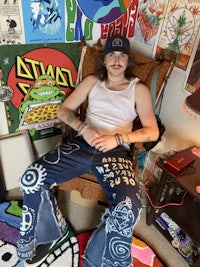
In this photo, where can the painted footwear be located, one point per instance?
(43, 251)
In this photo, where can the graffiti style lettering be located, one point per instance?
(78, 27)
(124, 25)
(30, 69)
(71, 15)
(88, 29)
(132, 19)
(75, 24)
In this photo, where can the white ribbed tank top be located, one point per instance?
(112, 111)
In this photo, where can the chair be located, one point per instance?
(145, 70)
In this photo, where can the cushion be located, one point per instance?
(144, 69)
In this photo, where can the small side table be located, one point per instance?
(187, 215)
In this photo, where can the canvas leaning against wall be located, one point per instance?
(41, 77)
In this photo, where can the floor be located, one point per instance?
(90, 214)
(86, 214)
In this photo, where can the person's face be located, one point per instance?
(116, 61)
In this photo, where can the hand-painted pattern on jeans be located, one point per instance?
(33, 178)
(120, 221)
(117, 171)
(122, 218)
(53, 157)
(28, 216)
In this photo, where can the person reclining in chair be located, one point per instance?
(101, 146)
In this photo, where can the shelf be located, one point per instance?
(187, 217)
(179, 223)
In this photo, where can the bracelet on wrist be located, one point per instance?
(81, 126)
(119, 139)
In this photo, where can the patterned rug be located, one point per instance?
(69, 254)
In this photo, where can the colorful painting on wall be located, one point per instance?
(104, 19)
(103, 11)
(41, 77)
(180, 30)
(44, 21)
(150, 15)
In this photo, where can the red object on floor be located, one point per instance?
(82, 241)
(143, 255)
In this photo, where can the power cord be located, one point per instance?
(146, 182)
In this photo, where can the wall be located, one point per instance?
(181, 130)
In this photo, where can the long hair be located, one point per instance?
(101, 70)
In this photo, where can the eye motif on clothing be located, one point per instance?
(33, 178)
(122, 218)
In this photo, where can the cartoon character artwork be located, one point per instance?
(12, 24)
(39, 107)
(45, 16)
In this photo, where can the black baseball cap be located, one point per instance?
(117, 43)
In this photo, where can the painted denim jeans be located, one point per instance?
(42, 221)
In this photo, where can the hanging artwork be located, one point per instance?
(180, 30)
(103, 11)
(44, 21)
(150, 15)
(100, 19)
(41, 77)
(11, 24)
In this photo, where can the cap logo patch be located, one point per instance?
(117, 42)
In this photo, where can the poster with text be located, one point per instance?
(100, 19)
(11, 22)
(44, 21)
(41, 77)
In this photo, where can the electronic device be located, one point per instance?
(178, 162)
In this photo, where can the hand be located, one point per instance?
(89, 134)
(104, 143)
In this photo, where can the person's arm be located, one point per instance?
(149, 130)
(68, 109)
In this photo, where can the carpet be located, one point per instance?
(142, 254)
(69, 254)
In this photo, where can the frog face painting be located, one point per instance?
(44, 89)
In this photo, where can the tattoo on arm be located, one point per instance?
(70, 119)
(143, 132)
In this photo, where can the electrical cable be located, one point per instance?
(148, 196)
